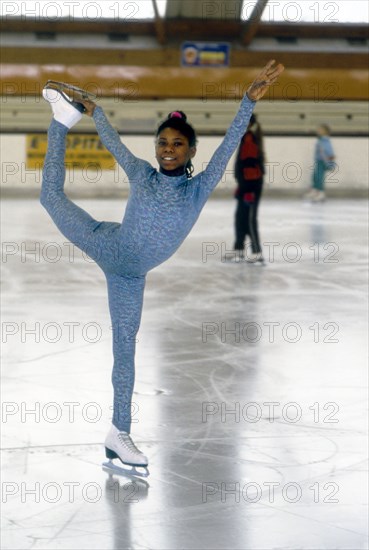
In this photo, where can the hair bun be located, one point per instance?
(177, 114)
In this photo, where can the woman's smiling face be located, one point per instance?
(172, 149)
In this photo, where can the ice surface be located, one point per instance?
(250, 399)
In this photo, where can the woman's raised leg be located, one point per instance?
(73, 222)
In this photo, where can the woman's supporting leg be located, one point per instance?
(75, 224)
(125, 304)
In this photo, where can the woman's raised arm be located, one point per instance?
(218, 163)
(111, 139)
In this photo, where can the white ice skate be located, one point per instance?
(319, 197)
(120, 445)
(73, 92)
(235, 256)
(255, 259)
(65, 110)
(310, 194)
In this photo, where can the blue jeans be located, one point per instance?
(319, 175)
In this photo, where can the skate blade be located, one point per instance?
(233, 259)
(128, 471)
(77, 93)
(257, 263)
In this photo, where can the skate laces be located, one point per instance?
(126, 440)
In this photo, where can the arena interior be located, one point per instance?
(251, 395)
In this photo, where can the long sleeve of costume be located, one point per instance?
(218, 163)
(111, 140)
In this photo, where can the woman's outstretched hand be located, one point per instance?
(266, 78)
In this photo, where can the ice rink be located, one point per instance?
(250, 397)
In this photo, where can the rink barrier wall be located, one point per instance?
(288, 170)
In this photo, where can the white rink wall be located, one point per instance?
(289, 168)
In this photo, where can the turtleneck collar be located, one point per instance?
(180, 171)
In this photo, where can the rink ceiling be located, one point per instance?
(137, 63)
(146, 53)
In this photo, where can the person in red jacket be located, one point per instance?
(249, 174)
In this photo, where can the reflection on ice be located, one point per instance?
(250, 392)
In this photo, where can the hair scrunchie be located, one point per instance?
(176, 114)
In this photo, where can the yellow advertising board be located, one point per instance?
(83, 151)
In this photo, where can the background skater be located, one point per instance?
(323, 162)
(249, 174)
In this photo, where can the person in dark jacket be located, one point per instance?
(249, 174)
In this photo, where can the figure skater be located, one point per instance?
(162, 208)
(323, 163)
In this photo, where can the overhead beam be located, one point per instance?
(78, 26)
(170, 57)
(314, 30)
(253, 22)
(159, 24)
(188, 29)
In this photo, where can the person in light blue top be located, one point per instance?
(162, 208)
(323, 162)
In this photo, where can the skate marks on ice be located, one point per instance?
(217, 476)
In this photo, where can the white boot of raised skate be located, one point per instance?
(120, 445)
(65, 110)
